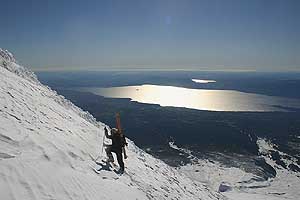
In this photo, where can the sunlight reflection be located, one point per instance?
(201, 99)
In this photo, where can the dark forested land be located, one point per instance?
(150, 125)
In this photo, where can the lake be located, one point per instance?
(200, 99)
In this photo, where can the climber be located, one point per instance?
(118, 143)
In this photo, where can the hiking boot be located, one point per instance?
(121, 171)
(110, 160)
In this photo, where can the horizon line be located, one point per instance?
(156, 69)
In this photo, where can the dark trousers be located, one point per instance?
(109, 149)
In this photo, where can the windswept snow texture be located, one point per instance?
(46, 144)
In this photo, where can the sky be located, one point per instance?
(260, 35)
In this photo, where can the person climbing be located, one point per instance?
(118, 143)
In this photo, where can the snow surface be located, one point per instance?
(242, 185)
(46, 145)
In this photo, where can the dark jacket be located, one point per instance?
(118, 141)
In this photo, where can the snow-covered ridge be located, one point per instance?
(8, 61)
(46, 145)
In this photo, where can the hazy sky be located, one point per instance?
(164, 34)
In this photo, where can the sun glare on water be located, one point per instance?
(201, 99)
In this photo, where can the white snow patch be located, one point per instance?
(187, 151)
(265, 146)
(203, 81)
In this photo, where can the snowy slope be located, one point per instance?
(46, 144)
(242, 185)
